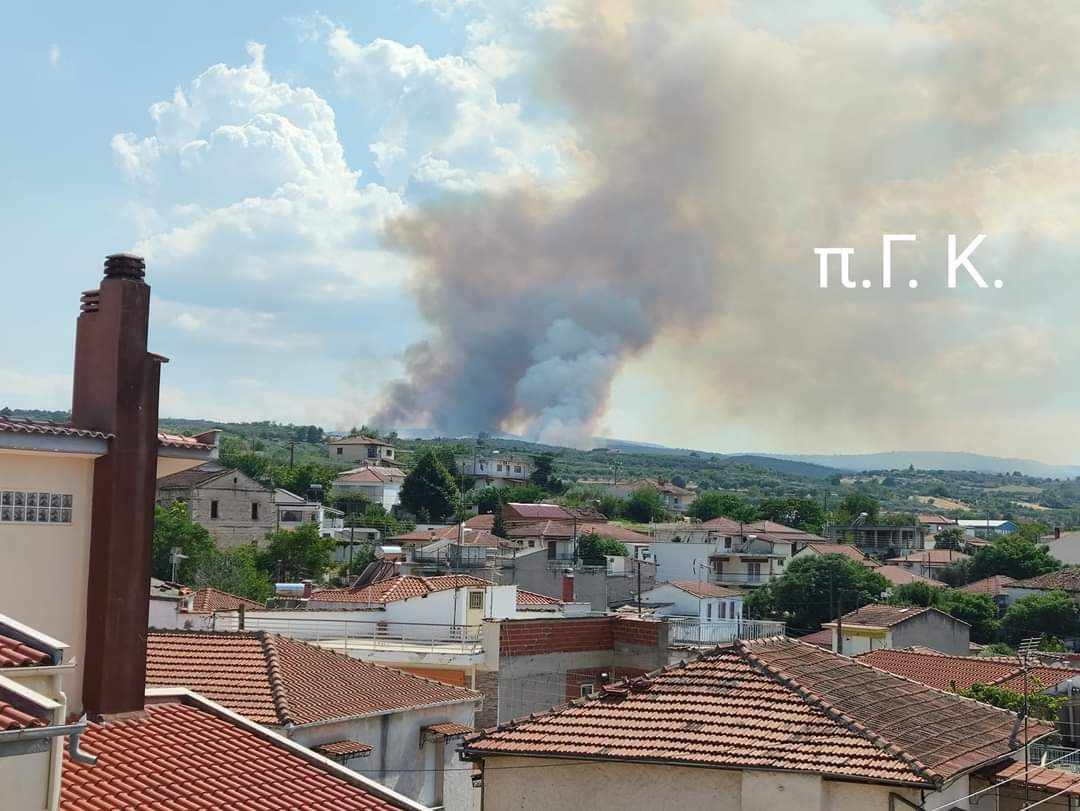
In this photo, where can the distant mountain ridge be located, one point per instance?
(935, 460)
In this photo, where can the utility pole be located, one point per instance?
(292, 452)
(639, 589)
(1023, 650)
(837, 610)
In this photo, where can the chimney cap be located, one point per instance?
(125, 266)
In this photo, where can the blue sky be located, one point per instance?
(332, 197)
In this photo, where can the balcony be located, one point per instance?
(691, 631)
(743, 578)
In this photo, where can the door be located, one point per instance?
(475, 614)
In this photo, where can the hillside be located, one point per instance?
(938, 460)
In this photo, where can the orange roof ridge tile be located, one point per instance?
(277, 683)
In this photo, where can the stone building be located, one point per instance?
(233, 507)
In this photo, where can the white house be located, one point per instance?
(696, 599)
(878, 626)
(381, 485)
(727, 559)
(929, 562)
(364, 449)
(494, 470)
(293, 510)
(985, 528)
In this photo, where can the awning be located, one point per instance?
(344, 750)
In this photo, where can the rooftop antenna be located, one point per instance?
(1023, 653)
(175, 557)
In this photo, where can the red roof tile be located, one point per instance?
(1064, 579)
(276, 681)
(1039, 777)
(882, 615)
(370, 474)
(771, 704)
(209, 599)
(961, 672)
(933, 557)
(182, 442)
(449, 729)
(842, 549)
(21, 426)
(613, 531)
(720, 524)
(532, 598)
(822, 638)
(397, 588)
(699, 589)
(899, 576)
(182, 756)
(346, 748)
(542, 529)
(485, 521)
(993, 585)
(14, 653)
(12, 718)
(358, 440)
(537, 512)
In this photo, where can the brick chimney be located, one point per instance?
(568, 586)
(116, 391)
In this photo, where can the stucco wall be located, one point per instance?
(399, 761)
(47, 589)
(24, 782)
(934, 631)
(532, 573)
(574, 785)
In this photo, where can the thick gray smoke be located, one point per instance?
(716, 157)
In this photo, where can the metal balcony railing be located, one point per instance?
(743, 578)
(721, 632)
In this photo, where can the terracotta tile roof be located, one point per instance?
(960, 672)
(537, 512)
(12, 718)
(822, 638)
(346, 748)
(771, 704)
(182, 442)
(533, 598)
(993, 585)
(720, 524)
(541, 529)
(899, 576)
(1063, 579)
(369, 474)
(781, 531)
(486, 521)
(882, 615)
(275, 680)
(449, 729)
(842, 549)
(358, 440)
(933, 518)
(20, 426)
(183, 756)
(192, 477)
(14, 653)
(208, 600)
(613, 531)
(700, 589)
(1039, 777)
(397, 588)
(935, 557)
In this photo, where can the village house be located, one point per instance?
(394, 727)
(933, 523)
(890, 626)
(929, 562)
(293, 511)
(494, 470)
(819, 548)
(1066, 580)
(695, 600)
(827, 733)
(381, 485)
(881, 540)
(233, 507)
(996, 586)
(84, 572)
(988, 528)
(674, 497)
(365, 449)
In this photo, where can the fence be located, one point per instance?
(1041, 753)
(721, 632)
(367, 634)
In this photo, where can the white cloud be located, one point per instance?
(232, 326)
(54, 55)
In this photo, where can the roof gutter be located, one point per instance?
(72, 731)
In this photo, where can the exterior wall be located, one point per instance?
(511, 784)
(235, 493)
(360, 453)
(860, 640)
(25, 781)
(165, 614)
(448, 607)
(686, 561)
(398, 760)
(387, 494)
(47, 589)
(592, 584)
(687, 605)
(935, 631)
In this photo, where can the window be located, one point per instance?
(340, 451)
(389, 453)
(708, 610)
(372, 452)
(586, 688)
(292, 516)
(532, 543)
(254, 511)
(753, 572)
(213, 509)
(18, 506)
(723, 611)
(476, 599)
(517, 468)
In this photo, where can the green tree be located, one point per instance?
(1039, 705)
(543, 474)
(592, 548)
(914, 593)
(235, 571)
(951, 538)
(957, 574)
(429, 491)
(802, 513)
(712, 504)
(523, 494)
(173, 527)
(854, 505)
(1014, 556)
(801, 596)
(498, 526)
(977, 610)
(297, 554)
(644, 505)
(1052, 613)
